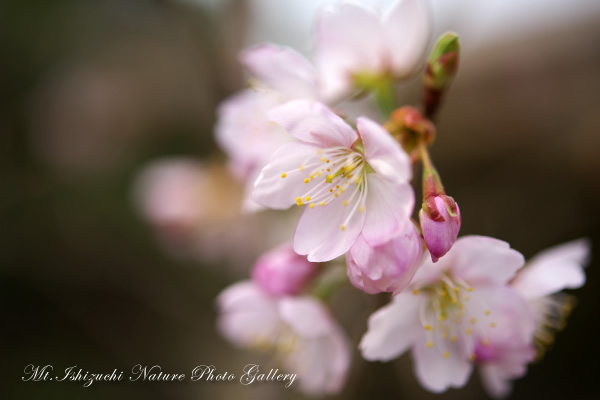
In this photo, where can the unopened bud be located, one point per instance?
(281, 271)
(441, 69)
(409, 127)
(440, 223)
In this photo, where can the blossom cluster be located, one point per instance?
(458, 304)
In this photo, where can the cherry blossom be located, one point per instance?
(451, 308)
(304, 337)
(350, 182)
(388, 267)
(356, 40)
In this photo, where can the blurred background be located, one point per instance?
(107, 113)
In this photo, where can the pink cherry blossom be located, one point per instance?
(450, 307)
(440, 228)
(282, 271)
(356, 39)
(299, 329)
(388, 267)
(351, 182)
(243, 130)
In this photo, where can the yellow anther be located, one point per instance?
(345, 202)
(337, 186)
(322, 159)
(487, 312)
(299, 201)
(330, 190)
(306, 180)
(283, 175)
(361, 209)
(473, 320)
(336, 194)
(327, 161)
(312, 205)
(319, 173)
(485, 342)
(322, 203)
(301, 168)
(342, 190)
(468, 331)
(428, 327)
(453, 300)
(343, 227)
(307, 198)
(415, 292)
(446, 354)
(453, 339)
(311, 176)
(470, 289)
(456, 289)
(493, 325)
(430, 344)
(328, 170)
(319, 151)
(442, 317)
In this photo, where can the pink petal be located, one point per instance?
(383, 153)
(393, 328)
(481, 260)
(244, 132)
(388, 209)
(274, 191)
(313, 122)
(307, 316)
(350, 40)
(388, 267)
(553, 270)
(247, 314)
(319, 234)
(282, 69)
(436, 373)
(408, 29)
(439, 236)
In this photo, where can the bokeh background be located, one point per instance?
(95, 96)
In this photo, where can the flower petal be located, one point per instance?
(388, 209)
(393, 328)
(438, 373)
(388, 267)
(244, 132)
(319, 234)
(282, 179)
(313, 122)
(481, 260)
(383, 153)
(552, 270)
(248, 315)
(408, 29)
(282, 69)
(307, 316)
(350, 40)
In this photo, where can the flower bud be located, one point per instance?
(388, 267)
(440, 223)
(408, 126)
(441, 69)
(281, 271)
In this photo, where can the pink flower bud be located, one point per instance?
(388, 267)
(440, 223)
(281, 271)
